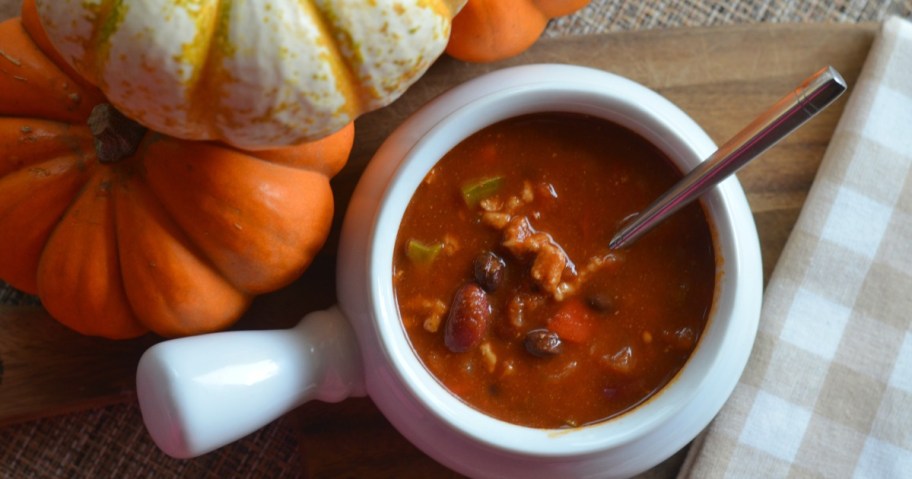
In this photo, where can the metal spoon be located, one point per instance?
(780, 120)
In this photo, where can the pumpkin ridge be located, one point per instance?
(31, 24)
(29, 141)
(162, 305)
(33, 85)
(113, 12)
(79, 281)
(346, 76)
(133, 167)
(216, 219)
(327, 155)
(202, 91)
(31, 215)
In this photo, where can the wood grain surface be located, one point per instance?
(721, 76)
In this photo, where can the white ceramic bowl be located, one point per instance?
(199, 393)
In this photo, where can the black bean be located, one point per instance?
(494, 390)
(543, 342)
(489, 271)
(602, 302)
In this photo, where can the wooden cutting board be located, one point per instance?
(722, 77)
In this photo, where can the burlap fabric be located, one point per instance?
(111, 442)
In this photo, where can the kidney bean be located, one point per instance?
(542, 343)
(468, 320)
(489, 271)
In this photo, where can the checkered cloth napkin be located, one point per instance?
(828, 389)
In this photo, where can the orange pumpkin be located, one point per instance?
(491, 30)
(175, 237)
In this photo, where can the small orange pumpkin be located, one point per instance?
(175, 237)
(492, 30)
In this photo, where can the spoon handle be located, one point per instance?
(786, 115)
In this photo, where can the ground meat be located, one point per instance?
(516, 235)
(549, 263)
(496, 219)
(549, 266)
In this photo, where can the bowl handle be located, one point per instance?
(199, 393)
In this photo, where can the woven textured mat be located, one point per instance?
(111, 441)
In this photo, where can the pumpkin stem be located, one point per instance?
(116, 136)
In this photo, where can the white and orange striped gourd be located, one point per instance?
(251, 73)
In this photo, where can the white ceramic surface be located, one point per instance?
(193, 401)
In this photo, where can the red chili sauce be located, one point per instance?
(507, 288)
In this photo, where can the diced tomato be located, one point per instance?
(573, 322)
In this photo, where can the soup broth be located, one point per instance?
(509, 293)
